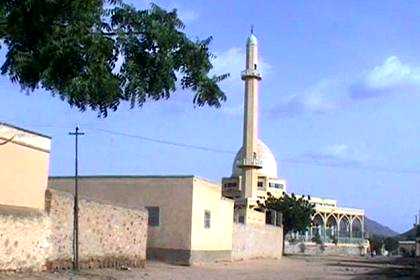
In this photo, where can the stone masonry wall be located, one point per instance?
(34, 240)
(310, 248)
(24, 242)
(109, 236)
(256, 241)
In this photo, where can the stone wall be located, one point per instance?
(256, 241)
(311, 248)
(24, 238)
(34, 240)
(108, 235)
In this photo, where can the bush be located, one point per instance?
(302, 247)
(317, 238)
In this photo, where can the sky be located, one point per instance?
(338, 105)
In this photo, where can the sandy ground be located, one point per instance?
(290, 267)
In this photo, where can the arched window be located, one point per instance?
(356, 228)
(331, 229)
(344, 227)
(318, 226)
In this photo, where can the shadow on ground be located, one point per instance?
(382, 268)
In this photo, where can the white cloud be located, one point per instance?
(391, 77)
(324, 96)
(233, 61)
(392, 73)
(341, 154)
(187, 16)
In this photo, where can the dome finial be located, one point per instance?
(252, 40)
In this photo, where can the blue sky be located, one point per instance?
(339, 105)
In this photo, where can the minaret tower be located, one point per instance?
(250, 163)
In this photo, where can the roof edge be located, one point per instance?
(25, 130)
(126, 177)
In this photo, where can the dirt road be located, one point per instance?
(292, 267)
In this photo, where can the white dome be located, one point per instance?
(269, 164)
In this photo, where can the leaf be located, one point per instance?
(71, 47)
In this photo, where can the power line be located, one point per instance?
(286, 161)
(290, 161)
(178, 144)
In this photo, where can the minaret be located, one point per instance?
(250, 162)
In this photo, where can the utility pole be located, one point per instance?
(76, 133)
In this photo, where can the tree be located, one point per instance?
(376, 243)
(96, 53)
(296, 212)
(390, 244)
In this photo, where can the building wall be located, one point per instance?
(407, 248)
(214, 243)
(24, 238)
(254, 217)
(109, 236)
(24, 161)
(181, 236)
(256, 241)
(311, 248)
(173, 196)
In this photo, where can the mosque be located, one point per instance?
(192, 219)
(189, 219)
(254, 174)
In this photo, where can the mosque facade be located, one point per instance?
(255, 174)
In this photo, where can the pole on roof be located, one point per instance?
(76, 134)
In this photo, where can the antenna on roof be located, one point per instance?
(252, 29)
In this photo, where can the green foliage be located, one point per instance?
(73, 49)
(391, 244)
(297, 212)
(376, 242)
(317, 238)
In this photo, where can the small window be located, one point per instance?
(276, 186)
(207, 219)
(255, 66)
(230, 185)
(153, 220)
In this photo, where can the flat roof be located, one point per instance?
(24, 130)
(407, 242)
(125, 177)
(110, 177)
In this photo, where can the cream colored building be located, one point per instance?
(407, 248)
(189, 220)
(24, 161)
(255, 174)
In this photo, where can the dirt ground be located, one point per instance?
(289, 267)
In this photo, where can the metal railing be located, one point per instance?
(253, 73)
(250, 162)
(294, 237)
